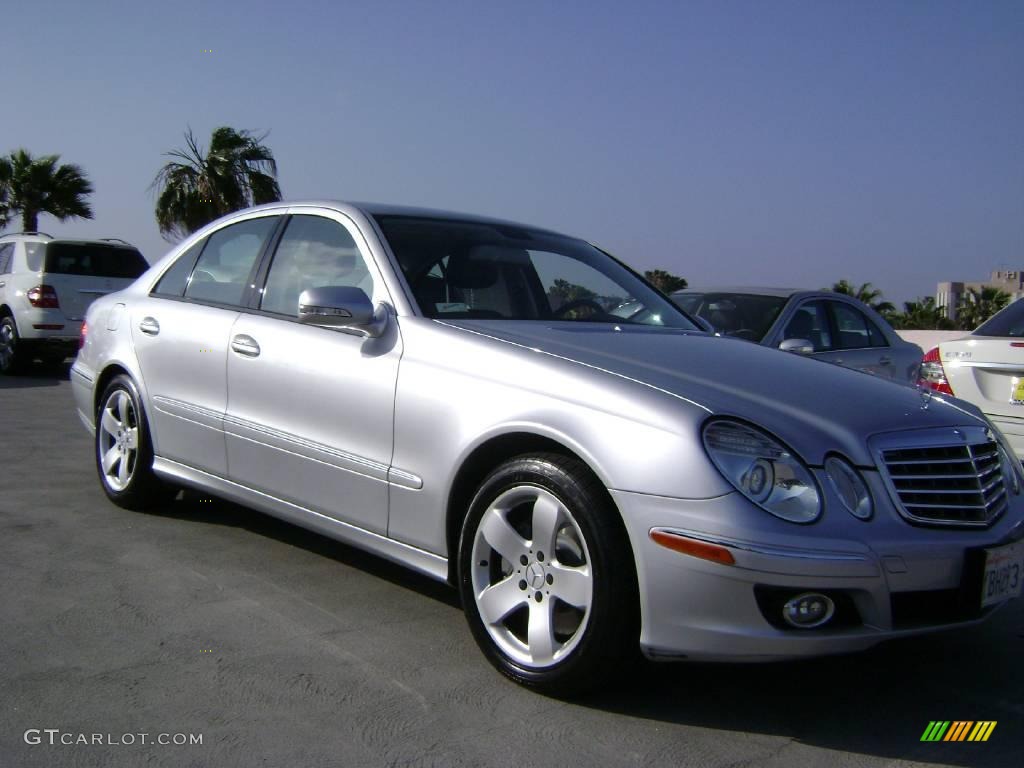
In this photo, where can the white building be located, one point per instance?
(948, 295)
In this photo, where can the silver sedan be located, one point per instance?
(827, 326)
(455, 393)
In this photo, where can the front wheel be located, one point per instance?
(547, 577)
(124, 452)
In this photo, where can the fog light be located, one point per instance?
(809, 610)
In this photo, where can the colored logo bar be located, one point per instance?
(959, 730)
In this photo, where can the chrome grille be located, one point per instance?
(947, 484)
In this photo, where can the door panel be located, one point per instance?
(309, 416)
(182, 354)
(310, 410)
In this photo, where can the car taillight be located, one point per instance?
(81, 335)
(932, 374)
(43, 297)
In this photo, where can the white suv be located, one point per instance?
(47, 284)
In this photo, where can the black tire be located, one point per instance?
(141, 488)
(606, 642)
(12, 349)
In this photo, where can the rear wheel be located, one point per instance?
(547, 578)
(11, 347)
(124, 452)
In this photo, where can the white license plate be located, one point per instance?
(1004, 573)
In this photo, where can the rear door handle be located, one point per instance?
(245, 345)
(3, 284)
(885, 360)
(149, 326)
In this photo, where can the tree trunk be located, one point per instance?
(29, 221)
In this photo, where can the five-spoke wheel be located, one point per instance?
(118, 441)
(546, 576)
(124, 454)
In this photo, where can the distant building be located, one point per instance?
(948, 295)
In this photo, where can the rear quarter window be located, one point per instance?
(93, 260)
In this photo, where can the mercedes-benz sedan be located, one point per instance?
(827, 326)
(454, 393)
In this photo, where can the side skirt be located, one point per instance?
(417, 559)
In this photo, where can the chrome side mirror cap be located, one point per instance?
(800, 346)
(343, 308)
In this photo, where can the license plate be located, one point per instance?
(1017, 394)
(1004, 573)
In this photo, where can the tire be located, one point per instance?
(124, 451)
(12, 351)
(547, 577)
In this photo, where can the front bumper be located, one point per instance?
(895, 579)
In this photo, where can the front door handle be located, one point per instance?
(3, 284)
(245, 345)
(149, 326)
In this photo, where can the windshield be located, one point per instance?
(466, 269)
(94, 260)
(1007, 322)
(744, 315)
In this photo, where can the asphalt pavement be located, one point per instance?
(278, 647)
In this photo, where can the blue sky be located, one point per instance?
(789, 143)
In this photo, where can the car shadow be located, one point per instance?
(193, 506)
(876, 703)
(38, 375)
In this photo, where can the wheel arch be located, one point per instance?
(104, 379)
(485, 458)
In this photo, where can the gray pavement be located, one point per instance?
(282, 648)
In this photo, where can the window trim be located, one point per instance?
(362, 245)
(834, 321)
(253, 271)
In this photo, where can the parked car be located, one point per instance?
(825, 325)
(450, 392)
(986, 368)
(47, 284)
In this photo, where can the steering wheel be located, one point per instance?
(569, 306)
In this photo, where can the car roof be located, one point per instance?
(386, 209)
(783, 293)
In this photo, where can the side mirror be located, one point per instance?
(342, 307)
(800, 346)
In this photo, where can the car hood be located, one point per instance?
(815, 406)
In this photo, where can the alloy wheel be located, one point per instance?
(118, 442)
(531, 576)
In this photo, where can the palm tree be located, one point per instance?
(664, 281)
(34, 185)
(978, 306)
(867, 293)
(196, 187)
(922, 315)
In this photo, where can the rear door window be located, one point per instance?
(6, 251)
(93, 260)
(222, 273)
(853, 329)
(174, 280)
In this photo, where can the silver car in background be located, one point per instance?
(454, 393)
(821, 324)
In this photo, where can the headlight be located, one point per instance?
(763, 469)
(850, 487)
